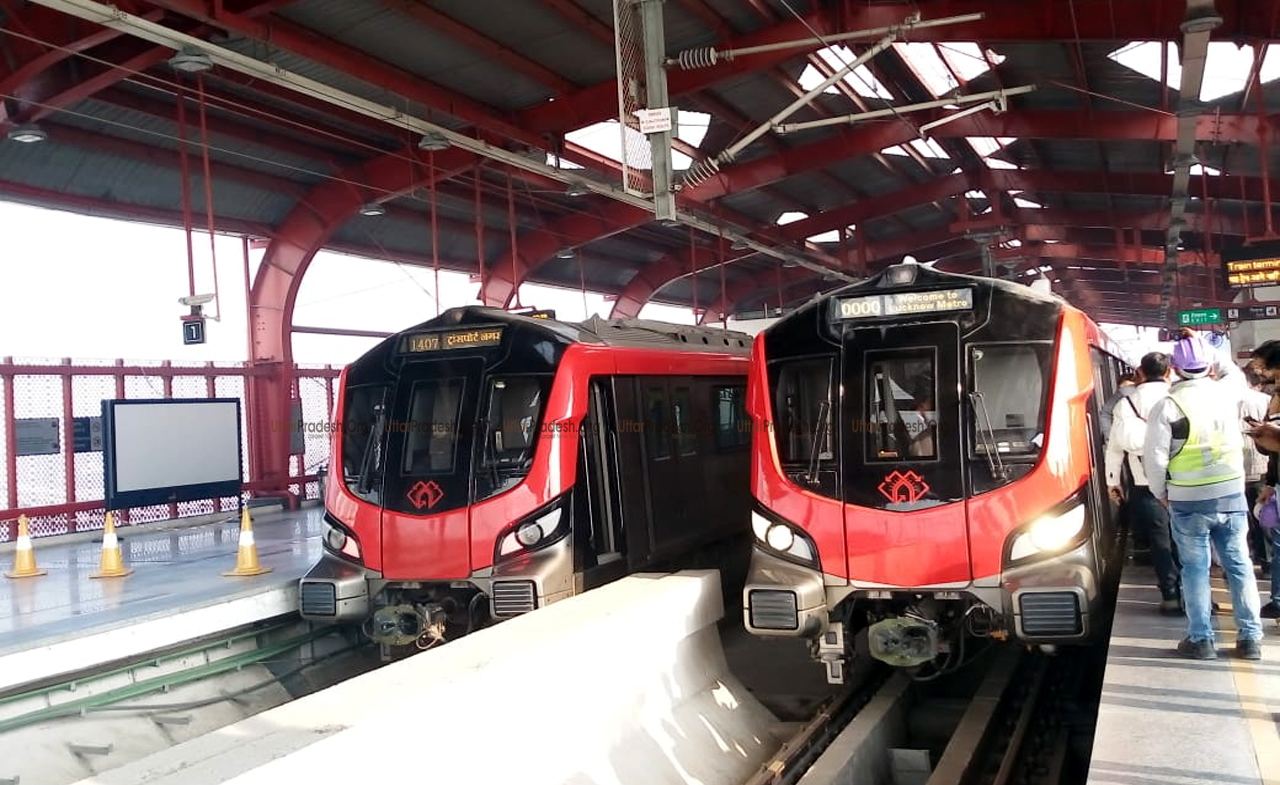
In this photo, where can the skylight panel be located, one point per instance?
(929, 148)
(897, 149)
(987, 146)
(1018, 201)
(832, 236)
(1144, 57)
(790, 218)
(603, 139)
(937, 66)
(863, 82)
(1226, 69)
(975, 194)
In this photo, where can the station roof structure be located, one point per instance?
(1133, 162)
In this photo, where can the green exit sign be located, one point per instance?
(1199, 316)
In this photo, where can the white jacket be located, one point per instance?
(1129, 431)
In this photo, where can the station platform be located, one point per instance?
(1166, 720)
(66, 622)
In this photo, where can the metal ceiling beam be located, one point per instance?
(112, 208)
(496, 51)
(65, 36)
(1046, 124)
(1035, 20)
(160, 155)
(73, 82)
(220, 124)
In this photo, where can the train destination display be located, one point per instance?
(454, 339)
(905, 303)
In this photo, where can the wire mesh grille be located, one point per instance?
(54, 461)
(637, 155)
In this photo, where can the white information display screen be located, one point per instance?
(174, 444)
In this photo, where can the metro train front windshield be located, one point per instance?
(441, 437)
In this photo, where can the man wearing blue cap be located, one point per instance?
(1194, 456)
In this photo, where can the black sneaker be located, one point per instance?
(1271, 610)
(1197, 650)
(1171, 607)
(1249, 649)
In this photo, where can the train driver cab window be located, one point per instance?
(1007, 394)
(363, 439)
(431, 434)
(511, 430)
(803, 410)
(903, 422)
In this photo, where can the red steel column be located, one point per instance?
(167, 380)
(68, 444)
(121, 515)
(10, 446)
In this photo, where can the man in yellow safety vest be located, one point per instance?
(1194, 457)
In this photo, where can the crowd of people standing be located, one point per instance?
(1192, 453)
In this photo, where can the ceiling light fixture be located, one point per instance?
(433, 142)
(28, 133)
(565, 253)
(739, 245)
(191, 61)
(373, 209)
(577, 189)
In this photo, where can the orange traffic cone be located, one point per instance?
(247, 556)
(24, 557)
(112, 564)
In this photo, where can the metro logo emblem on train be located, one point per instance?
(898, 486)
(425, 494)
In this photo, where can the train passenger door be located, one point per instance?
(599, 532)
(660, 461)
(901, 452)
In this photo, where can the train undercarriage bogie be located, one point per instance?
(412, 618)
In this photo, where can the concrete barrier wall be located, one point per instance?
(624, 684)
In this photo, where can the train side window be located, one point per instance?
(431, 434)
(803, 410)
(903, 417)
(733, 427)
(682, 416)
(656, 427)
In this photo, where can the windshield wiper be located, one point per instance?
(994, 462)
(819, 435)
(375, 440)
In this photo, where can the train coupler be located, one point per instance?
(832, 653)
(904, 642)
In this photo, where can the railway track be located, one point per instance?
(1021, 718)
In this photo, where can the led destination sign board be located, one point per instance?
(452, 339)
(1253, 272)
(905, 303)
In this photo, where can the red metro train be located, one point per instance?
(486, 464)
(927, 467)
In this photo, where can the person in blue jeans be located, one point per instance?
(1194, 457)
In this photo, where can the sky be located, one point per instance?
(99, 289)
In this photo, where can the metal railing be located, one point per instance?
(54, 475)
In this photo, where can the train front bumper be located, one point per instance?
(335, 591)
(783, 598)
(1053, 600)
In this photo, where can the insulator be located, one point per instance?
(700, 172)
(701, 57)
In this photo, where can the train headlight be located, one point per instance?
(340, 541)
(783, 539)
(1049, 533)
(537, 531)
(528, 534)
